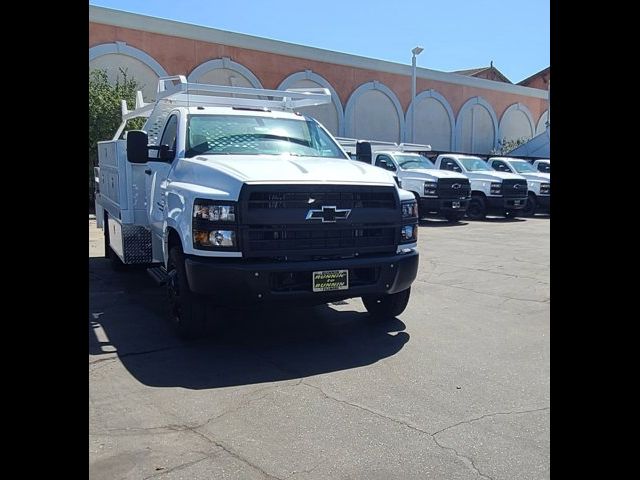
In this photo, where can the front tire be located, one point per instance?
(530, 207)
(477, 209)
(187, 310)
(386, 307)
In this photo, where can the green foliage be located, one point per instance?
(505, 146)
(105, 113)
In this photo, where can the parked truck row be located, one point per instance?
(231, 196)
(455, 185)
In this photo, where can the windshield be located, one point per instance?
(521, 166)
(257, 135)
(475, 164)
(412, 162)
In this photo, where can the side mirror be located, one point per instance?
(137, 146)
(363, 151)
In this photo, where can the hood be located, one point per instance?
(543, 177)
(432, 173)
(278, 168)
(494, 175)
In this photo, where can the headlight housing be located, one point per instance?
(496, 188)
(409, 227)
(409, 209)
(409, 233)
(545, 188)
(214, 225)
(430, 189)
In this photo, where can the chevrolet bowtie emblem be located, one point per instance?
(328, 214)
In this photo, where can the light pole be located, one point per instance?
(416, 51)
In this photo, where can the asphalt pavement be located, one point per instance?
(456, 387)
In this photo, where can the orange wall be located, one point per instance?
(180, 56)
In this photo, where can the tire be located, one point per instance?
(386, 307)
(454, 216)
(530, 207)
(477, 209)
(187, 310)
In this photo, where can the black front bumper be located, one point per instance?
(236, 281)
(544, 201)
(443, 206)
(500, 204)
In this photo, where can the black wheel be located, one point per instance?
(115, 261)
(477, 209)
(454, 216)
(187, 310)
(386, 307)
(529, 209)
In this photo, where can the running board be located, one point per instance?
(159, 275)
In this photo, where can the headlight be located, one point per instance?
(410, 209)
(211, 224)
(409, 233)
(213, 212)
(496, 188)
(430, 188)
(545, 188)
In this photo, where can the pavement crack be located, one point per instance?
(487, 416)
(504, 274)
(484, 293)
(178, 467)
(466, 460)
(366, 409)
(235, 455)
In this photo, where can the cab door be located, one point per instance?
(158, 171)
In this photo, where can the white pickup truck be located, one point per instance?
(438, 192)
(238, 199)
(539, 184)
(492, 192)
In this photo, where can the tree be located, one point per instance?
(105, 114)
(505, 146)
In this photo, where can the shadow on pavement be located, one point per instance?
(428, 222)
(127, 317)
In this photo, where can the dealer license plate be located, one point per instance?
(455, 204)
(517, 202)
(329, 280)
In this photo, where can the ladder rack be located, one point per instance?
(174, 91)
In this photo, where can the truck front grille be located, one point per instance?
(291, 223)
(339, 199)
(514, 188)
(283, 239)
(454, 188)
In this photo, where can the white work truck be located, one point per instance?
(543, 165)
(492, 192)
(438, 192)
(236, 199)
(538, 183)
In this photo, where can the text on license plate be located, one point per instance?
(329, 280)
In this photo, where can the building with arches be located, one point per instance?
(371, 98)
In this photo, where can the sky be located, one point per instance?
(455, 35)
